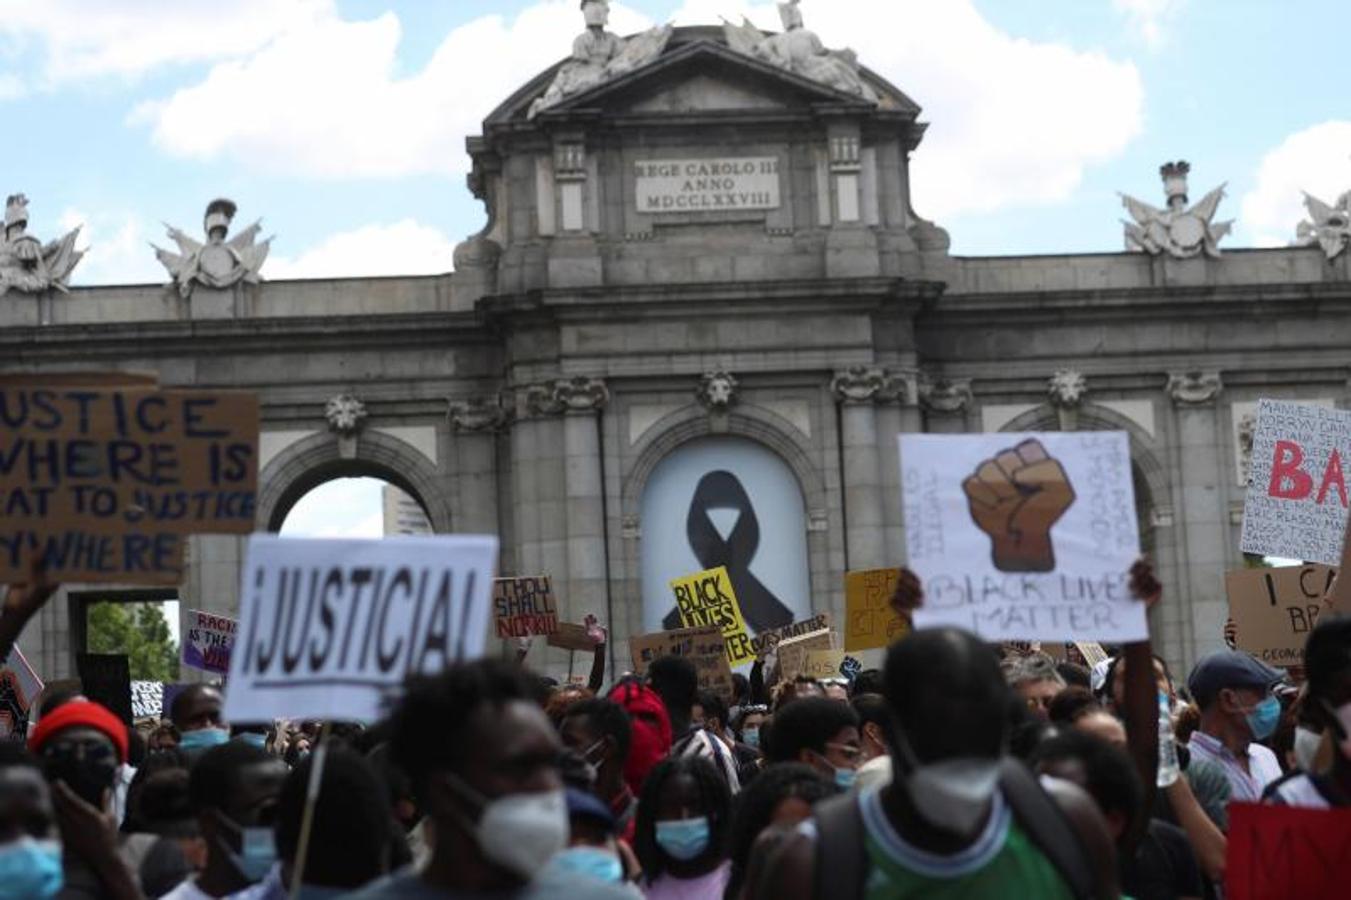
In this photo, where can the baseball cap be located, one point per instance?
(585, 805)
(1229, 669)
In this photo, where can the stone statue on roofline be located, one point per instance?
(800, 51)
(218, 263)
(1179, 231)
(599, 56)
(1328, 225)
(26, 264)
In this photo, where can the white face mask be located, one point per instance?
(519, 832)
(1343, 715)
(1306, 747)
(952, 794)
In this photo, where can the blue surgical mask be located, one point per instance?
(253, 739)
(257, 852)
(1263, 718)
(30, 869)
(203, 739)
(592, 862)
(751, 737)
(845, 779)
(683, 839)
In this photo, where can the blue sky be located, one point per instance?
(341, 122)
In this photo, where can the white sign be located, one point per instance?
(707, 185)
(1023, 536)
(329, 629)
(147, 699)
(1297, 494)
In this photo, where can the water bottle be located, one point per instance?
(1168, 768)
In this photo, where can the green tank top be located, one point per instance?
(1002, 863)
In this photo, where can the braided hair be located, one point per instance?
(715, 801)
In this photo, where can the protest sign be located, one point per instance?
(571, 636)
(329, 629)
(19, 688)
(792, 653)
(106, 678)
(147, 699)
(707, 598)
(765, 642)
(1296, 503)
(106, 479)
(209, 641)
(1092, 652)
(827, 664)
(524, 606)
(1287, 853)
(1023, 536)
(870, 622)
(1275, 609)
(702, 646)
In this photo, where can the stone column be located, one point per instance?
(1201, 518)
(858, 390)
(476, 423)
(897, 415)
(582, 400)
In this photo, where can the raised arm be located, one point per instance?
(1140, 705)
(22, 602)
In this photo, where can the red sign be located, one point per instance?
(1278, 852)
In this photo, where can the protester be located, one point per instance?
(594, 849)
(1036, 682)
(1238, 709)
(30, 852)
(196, 713)
(710, 714)
(836, 689)
(481, 756)
(873, 724)
(782, 796)
(676, 681)
(746, 725)
(164, 737)
(821, 733)
(234, 790)
(1070, 704)
(599, 730)
(684, 817)
(1327, 663)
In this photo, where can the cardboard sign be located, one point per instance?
(208, 643)
(147, 699)
(1296, 504)
(19, 688)
(870, 622)
(329, 629)
(1287, 853)
(524, 606)
(107, 480)
(1023, 536)
(106, 678)
(1275, 609)
(571, 636)
(766, 642)
(828, 664)
(792, 653)
(702, 646)
(707, 598)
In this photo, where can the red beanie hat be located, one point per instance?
(76, 714)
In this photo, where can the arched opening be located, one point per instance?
(352, 506)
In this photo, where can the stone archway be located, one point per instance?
(306, 464)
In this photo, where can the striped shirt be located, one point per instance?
(1262, 770)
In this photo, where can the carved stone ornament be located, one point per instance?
(1179, 231)
(801, 52)
(218, 263)
(1194, 388)
(1247, 431)
(577, 395)
(1066, 389)
(717, 391)
(1327, 226)
(599, 56)
(346, 414)
(479, 414)
(949, 396)
(859, 384)
(26, 264)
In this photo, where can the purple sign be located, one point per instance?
(208, 643)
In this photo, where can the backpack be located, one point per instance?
(651, 730)
(842, 862)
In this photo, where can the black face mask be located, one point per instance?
(89, 769)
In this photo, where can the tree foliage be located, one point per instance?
(138, 630)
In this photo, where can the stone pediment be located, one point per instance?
(700, 74)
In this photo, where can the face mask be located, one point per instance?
(257, 850)
(203, 739)
(1306, 747)
(519, 832)
(954, 794)
(751, 738)
(30, 869)
(683, 839)
(253, 739)
(592, 862)
(1263, 718)
(1343, 716)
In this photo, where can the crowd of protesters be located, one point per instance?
(959, 769)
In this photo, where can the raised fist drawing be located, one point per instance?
(1015, 498)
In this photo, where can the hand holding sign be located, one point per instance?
(595, 630)
(1015, 498)
(909, 593)
(1144, 586)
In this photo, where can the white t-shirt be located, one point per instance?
(188, 890)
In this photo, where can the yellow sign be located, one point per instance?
(708, 599)
(870, 622)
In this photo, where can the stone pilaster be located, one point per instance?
(476, 423)
(582, 400)
(858, 390)
(897, 414)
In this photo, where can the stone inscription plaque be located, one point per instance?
(725, 184)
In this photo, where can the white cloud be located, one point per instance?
(403, 248)
(76, 39)
(116, 248)
(1149, 17)
(341, 508)
(1317, 160)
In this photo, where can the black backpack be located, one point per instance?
(842, 862)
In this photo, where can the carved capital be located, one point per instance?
(717, 391)
(346, 415)
(1066, 389)
(581, 394)
(859, 384)
(1194, 388)
(946, 396)
(478, 414)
